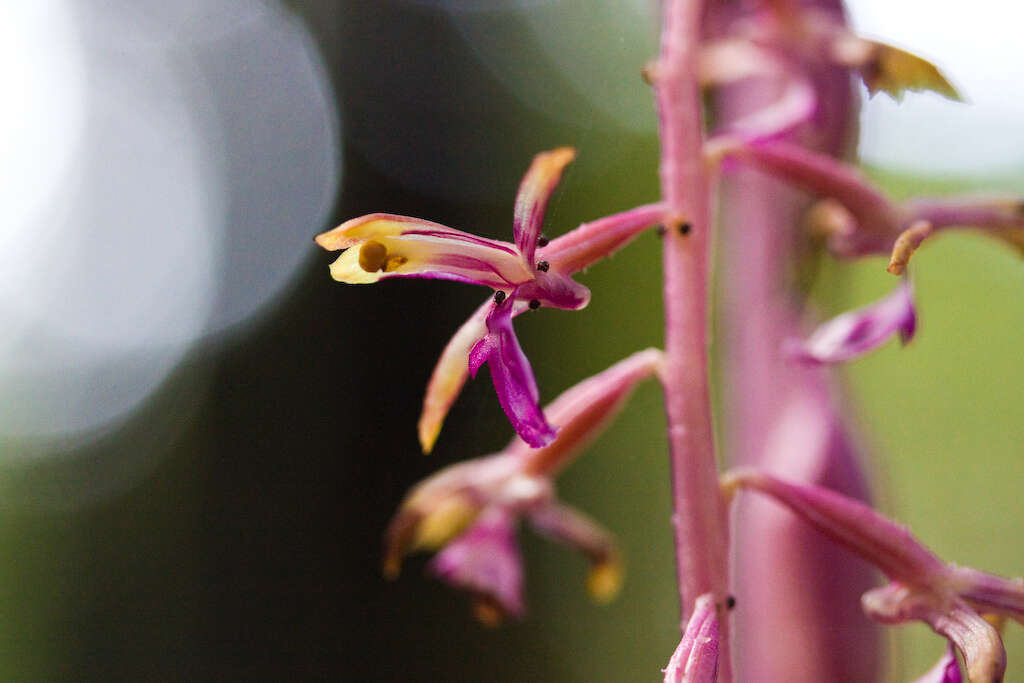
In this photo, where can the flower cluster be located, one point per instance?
(776, 74)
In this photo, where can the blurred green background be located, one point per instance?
(250, 549)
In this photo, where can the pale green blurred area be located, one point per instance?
(945, 412)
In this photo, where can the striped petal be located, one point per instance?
(380, 245)
(532, 199)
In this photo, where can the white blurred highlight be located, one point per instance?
(165, 169)
(977, 45)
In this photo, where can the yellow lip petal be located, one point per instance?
(447, 257)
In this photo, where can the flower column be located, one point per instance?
(699, 517)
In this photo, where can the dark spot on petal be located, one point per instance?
(534, 304)
(542, 241)
(684, 228)
(661, 230)
(543, 266)
(730, 602)
(499, 297)
(372, 256)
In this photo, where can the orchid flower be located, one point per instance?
(470, 509)
(523, 276)
(379, 246)
(568, 254)
(949, 598)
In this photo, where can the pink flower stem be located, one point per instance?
(699, 519)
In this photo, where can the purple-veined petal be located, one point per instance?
(696, 658)
(512, 375)
(383, 245)
(882, 542)
(452, 371)
(857, 332)
(569, 526)
(532, 199)
(485, 560)
(946, 670)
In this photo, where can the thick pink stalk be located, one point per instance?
(799, 618)
(699, 515)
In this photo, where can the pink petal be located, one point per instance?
(882, 542)
(877, 219)
(532, 199)
(858, 332)
(593, 241)
(485, 561)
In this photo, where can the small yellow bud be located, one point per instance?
(906, 244)
(605, 579)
